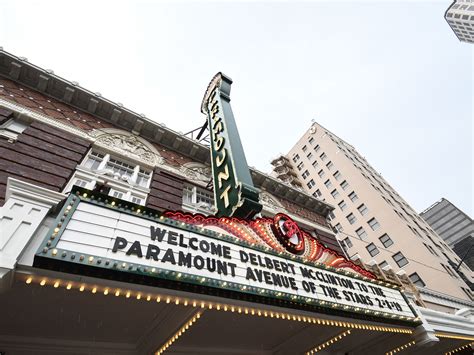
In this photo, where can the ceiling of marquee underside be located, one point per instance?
(46, 320)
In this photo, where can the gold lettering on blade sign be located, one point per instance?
(218, 144)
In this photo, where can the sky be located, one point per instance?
(390, 78)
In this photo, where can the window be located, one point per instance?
(347, 242)
(331, 216)
(80, 183)
(124, 179)
(449, 270)
(334, 193)
(198, 197)
(353, 196)
(467, 291)
(361, 233)
(321, 173)
(416, 232)
(385, 240)
(315, 164)
(317, 193)
(363, 210)
(400, 259)
(342, 205)
(416, 279)
(328, 184)
(430, 249)
(94, 160)
(383, 264)
(323, 156)
(296, 158)
(305, 148)
(372, 249)
(337, 175)
(344, 185)
(311, 140)
(316, 148)
(330, 165)
(339, 227)
(374, 224)
(305, 174)
(310, 155)
(311, 183)
(351, 218)
(300, 166)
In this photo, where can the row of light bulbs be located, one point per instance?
(105, 290)
(180, 332)
(400, 348)
(329, 342)
(459, 349)
(454, 336)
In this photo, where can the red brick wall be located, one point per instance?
(166, 191)
(42, 155)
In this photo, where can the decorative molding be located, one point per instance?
(25, 191)
(129, 145)
(31, 115)
(196, 172)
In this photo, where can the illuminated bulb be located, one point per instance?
(94, 290)
(127, 294)
(117, 293)
(43, 282)
(28, 280)
(82, 288)
(106, 292)
(139, 296)
(68, 287)
(168, 300)
(56, 284)
(158, 299)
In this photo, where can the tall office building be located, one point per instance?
(454, 226)
(373, 221)
(460, 16)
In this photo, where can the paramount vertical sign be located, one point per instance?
(234, 193)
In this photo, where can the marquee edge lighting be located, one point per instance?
(454, 336)
(328, 342)
(108, 291)
(459, 349)
(180, 332)
(401, 348)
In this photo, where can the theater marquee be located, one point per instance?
(105, 235)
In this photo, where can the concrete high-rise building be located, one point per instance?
(460, 16)
(374, 223)
(454, 226)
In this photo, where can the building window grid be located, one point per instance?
(321, 173)
(386, 240)
(383, 264)
(344, 185)
(353, 196)
(334, 193)
(337, 175)
(400, 259)
(330, 165)
(372, 249)
(374, 224)
(316, 148)
(361, 233)
(305, 174)
(310, 183)
(323, 156)
(328, 183)
(351, 218)
(339, 227)
(310, 155)
(416, 279)
(363, 210)
(342, 205)
(300, 166)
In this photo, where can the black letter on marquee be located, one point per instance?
(157, 233)
(120, 243)
(152, 252)
(135, 249)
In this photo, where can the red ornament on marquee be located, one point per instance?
(281, 233)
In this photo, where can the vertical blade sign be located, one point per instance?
(234, 193)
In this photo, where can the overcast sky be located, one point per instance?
(390, 78)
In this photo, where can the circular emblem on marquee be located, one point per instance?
(288, 233)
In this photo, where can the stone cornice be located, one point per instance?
(71, 93)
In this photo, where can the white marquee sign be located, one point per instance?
(128, 239)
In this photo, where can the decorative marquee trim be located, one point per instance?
(265, 232)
